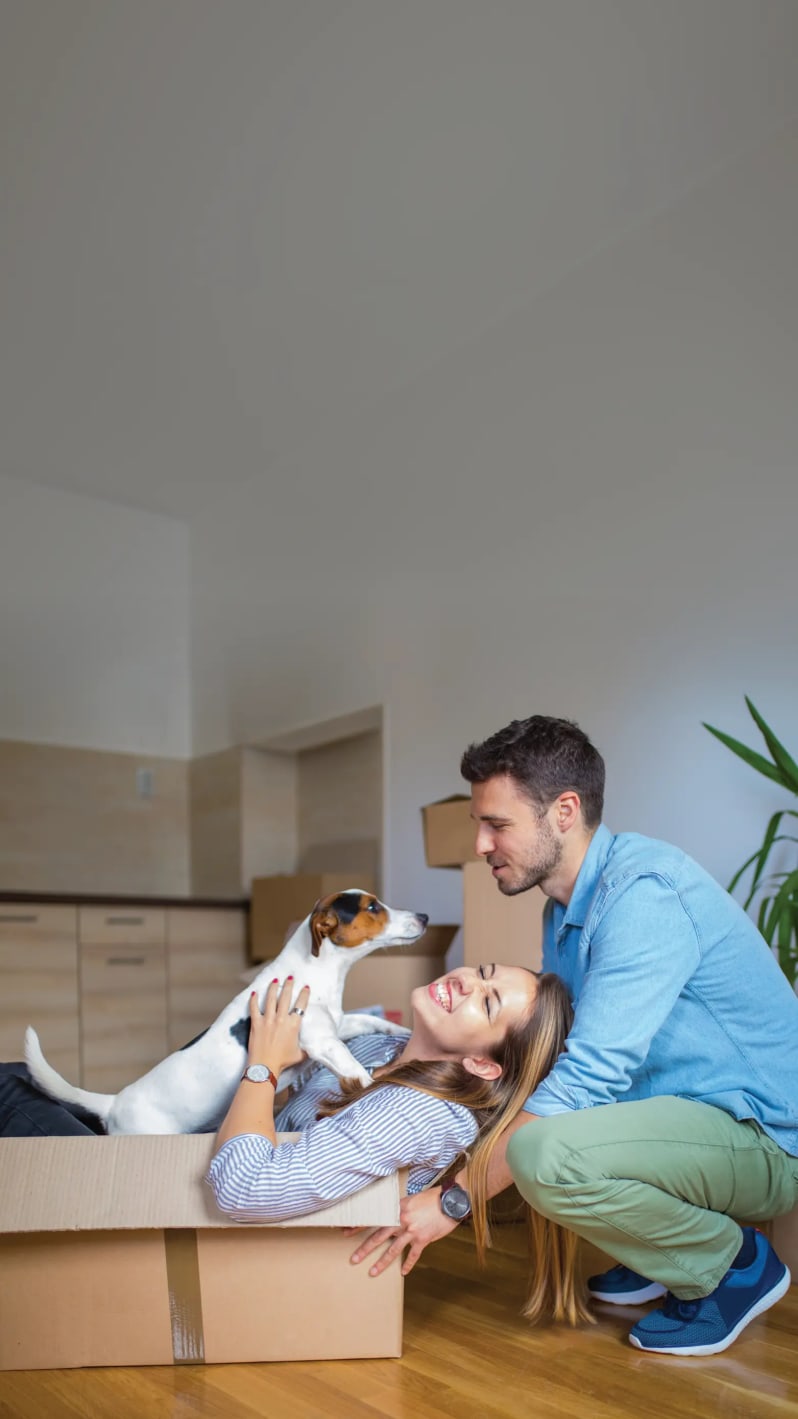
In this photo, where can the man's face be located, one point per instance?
(518, 841)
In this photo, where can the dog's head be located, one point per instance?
(354, 918)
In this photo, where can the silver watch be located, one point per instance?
(455, 1202)
(259, 1074)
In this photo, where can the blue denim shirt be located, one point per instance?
(675, 992)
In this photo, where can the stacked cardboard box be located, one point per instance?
(449, 832)
(279, 902)
(495, 928)
(389, 976)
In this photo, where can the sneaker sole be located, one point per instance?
(763, 1304)
(652, 1292)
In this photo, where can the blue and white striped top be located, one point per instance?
(390, 1127)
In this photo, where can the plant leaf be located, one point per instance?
(749, 756)
(781, 758)
(739, 873)
(762, 856)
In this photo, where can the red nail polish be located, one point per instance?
(289, 977)
(275, 980)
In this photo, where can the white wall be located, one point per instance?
(591, 512)
(94, 607)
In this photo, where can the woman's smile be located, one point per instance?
(441, 993)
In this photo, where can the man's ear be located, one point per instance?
(483, 1067)
(567, 810)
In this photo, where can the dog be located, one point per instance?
(190, 1091)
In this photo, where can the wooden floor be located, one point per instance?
(467, 1355)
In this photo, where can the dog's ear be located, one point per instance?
(322, 923)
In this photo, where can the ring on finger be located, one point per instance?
(296, 1010)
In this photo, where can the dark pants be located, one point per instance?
(25, 1112)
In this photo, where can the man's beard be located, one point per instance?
(533, 873)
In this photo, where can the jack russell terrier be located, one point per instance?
(190, 1091)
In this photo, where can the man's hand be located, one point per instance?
(421, 1221)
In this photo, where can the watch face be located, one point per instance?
(258, 1073)
(456, 1203)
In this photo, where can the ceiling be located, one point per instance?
(231, 228)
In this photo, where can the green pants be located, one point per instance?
(655, 1184)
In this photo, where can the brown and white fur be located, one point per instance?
(190, 1091)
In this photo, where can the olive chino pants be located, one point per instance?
(655, 1184)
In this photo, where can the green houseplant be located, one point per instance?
(777, 907)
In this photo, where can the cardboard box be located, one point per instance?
(112, 1252)
(277, 902)
(508, 930)
(449, 832)
(388, 977)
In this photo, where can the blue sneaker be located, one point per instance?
(710, 1324)
(622, 1287)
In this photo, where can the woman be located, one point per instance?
(481, 1041)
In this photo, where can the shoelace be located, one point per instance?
(675, 1309)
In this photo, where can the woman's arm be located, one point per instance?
(273, 1041)
(389, 1127)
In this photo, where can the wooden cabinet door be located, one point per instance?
(206, 957)
(39, 982)
(122, 994)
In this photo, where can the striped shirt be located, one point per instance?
(390, 1127)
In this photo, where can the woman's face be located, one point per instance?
(469, 1010)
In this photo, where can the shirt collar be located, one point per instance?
(589, 873)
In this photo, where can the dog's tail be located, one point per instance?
(52, 1083)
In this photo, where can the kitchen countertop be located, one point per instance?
(109, 899)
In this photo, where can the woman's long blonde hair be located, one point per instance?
(527, 1053)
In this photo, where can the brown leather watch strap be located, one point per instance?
(270, 1077)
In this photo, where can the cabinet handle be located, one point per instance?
(124, 921)
(125, 960)
(19, 916)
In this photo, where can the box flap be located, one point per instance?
(125, 1182)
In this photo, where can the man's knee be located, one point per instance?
(541, 1161)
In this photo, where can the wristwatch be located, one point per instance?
(455, 1202)
(259, 1074)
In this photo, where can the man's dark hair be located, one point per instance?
(545, 756)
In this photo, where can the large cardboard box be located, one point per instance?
(449, 832)
(389, 976)
(112, 1252)
(280, 901)
(508, 930)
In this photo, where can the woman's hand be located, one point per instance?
(421, 1222)
(274, 1030)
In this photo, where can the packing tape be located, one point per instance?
(185, 1303)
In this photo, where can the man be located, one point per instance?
(675, 1106)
